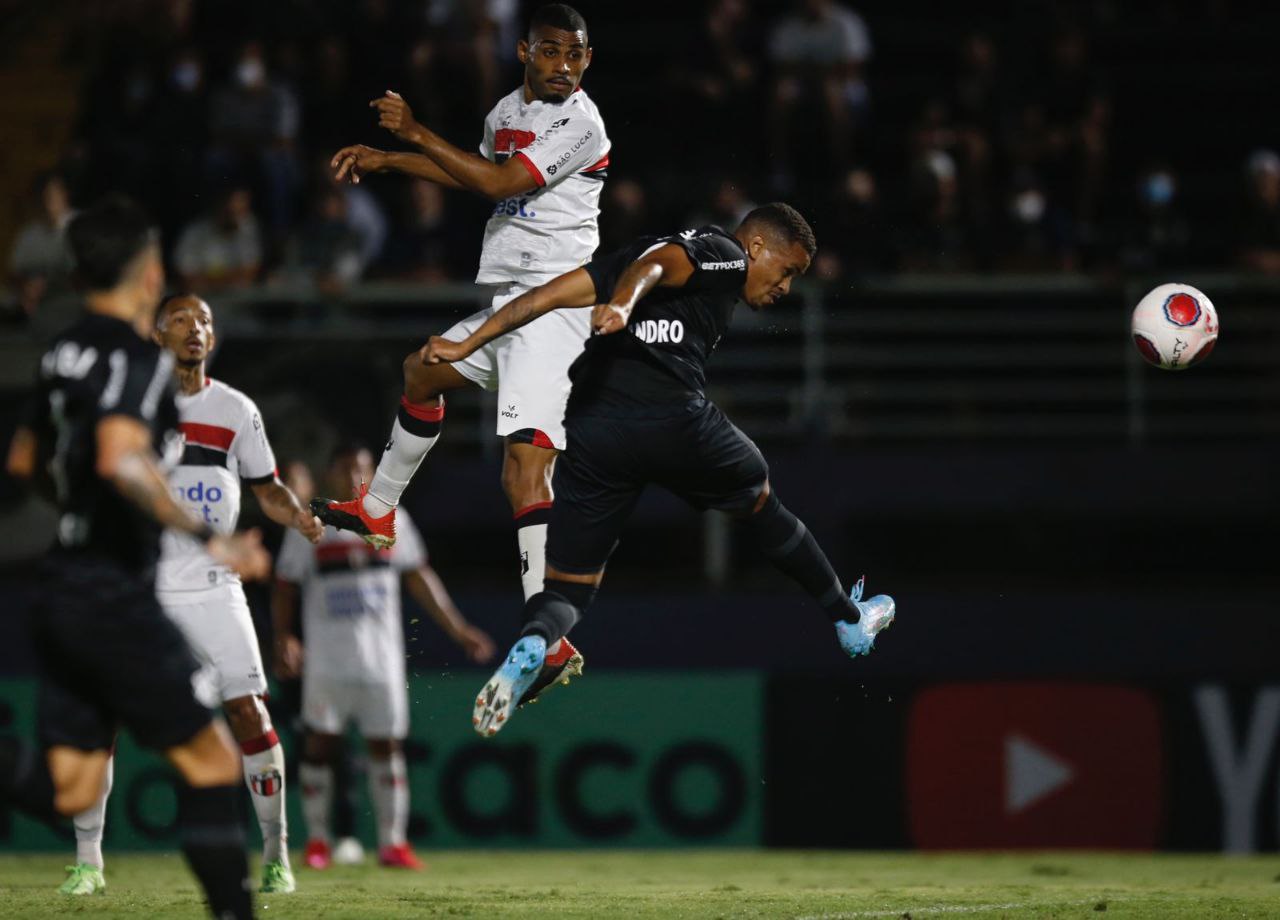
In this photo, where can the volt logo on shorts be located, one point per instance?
(659, 331)
(1003, 765)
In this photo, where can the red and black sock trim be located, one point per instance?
(422, 421)
(261, 743)
(537, 513)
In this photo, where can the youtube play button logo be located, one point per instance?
(1034, 765)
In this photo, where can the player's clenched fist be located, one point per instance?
(242, 552)
(309, 525)
(441, 350)
(395, 115)
(353, 162)
(607, 318)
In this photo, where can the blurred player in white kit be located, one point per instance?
(351, 658)
(225, 444)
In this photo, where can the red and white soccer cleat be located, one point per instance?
(317, 855)
(350, 515)
(400, 856)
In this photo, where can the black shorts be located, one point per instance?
(698, 454)
(110, 658)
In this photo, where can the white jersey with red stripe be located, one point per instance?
(553, 228)
(225, 443)
(351, 620)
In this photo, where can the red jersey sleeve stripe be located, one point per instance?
(533, 170)
(602, 163)
(207, 435)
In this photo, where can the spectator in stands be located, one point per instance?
(1160, 235)
(624, 213)
(40, 263)
(820, 51)
(938, 240)
(223, 249)
(326, 250)
(419, 245)
(852, 228)
(719, 73)
(183, 111)
(254, 123)
(728, 204)
(1258, 243)
(477, 40)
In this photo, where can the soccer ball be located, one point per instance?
(1175, 326)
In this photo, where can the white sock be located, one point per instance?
(90, 823)
(413, 433)
(532, 539)
(264, 775)
(389, 789)
(317, 799)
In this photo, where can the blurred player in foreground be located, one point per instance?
(542, 160)
(353, 660)
(225, 443)
(638, 415)
(109, 656)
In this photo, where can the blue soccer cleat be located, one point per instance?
(500, 695)
(877, 613)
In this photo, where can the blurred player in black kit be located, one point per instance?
(638, 415)
(102, 428)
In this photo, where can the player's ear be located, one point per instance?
(586, 60)
(755, 246)
(522, 51)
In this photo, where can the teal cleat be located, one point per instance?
(277, 878)
(504, 690)
(83, 878)
(877, 613)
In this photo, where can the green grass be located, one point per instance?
(695, 884)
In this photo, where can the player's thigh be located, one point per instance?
(713, 464)
(218, 625)
(327, 704)
(481, 366)
(533, 376)
(596, 487)
(382, 709)
(139, 669)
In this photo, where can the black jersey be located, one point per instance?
(659, 363)
(98, 368)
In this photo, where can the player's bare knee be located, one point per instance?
(320, 748)
(382, 748)
(72, 800)
(208, 758)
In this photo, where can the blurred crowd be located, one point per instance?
(973, 144)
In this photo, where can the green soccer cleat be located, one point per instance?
(83, 878)
(277, 878)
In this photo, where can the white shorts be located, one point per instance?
(380, 709)
(219, 629)
(528, 367)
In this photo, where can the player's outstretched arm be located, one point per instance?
(666, 266)
(353, 163)
(572, 289)
(425, 586)
(126, 460)
(278, 502)
(472, 172)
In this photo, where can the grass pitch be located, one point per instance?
(693, 884)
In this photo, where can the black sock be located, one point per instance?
(790, 546)
(552, 612)
(213, 842)
(25, 781)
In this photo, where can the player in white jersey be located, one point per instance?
(542, 159)
(351, 658)
(225, 443)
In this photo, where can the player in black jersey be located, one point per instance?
(103, 419)
(638, 415)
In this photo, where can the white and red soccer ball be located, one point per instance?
(1175, 326)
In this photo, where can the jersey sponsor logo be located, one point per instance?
(560, 124)
(659, 331)
(201, 498)
(723, 266)
(568, 154)
(68, 360)
(514, 207)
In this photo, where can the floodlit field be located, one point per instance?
(695, 884)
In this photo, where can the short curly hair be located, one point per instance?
(785, 222)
